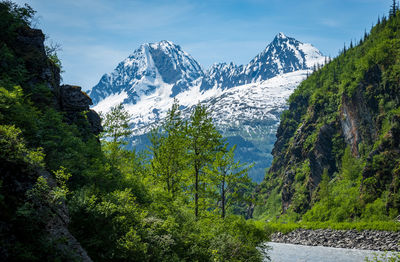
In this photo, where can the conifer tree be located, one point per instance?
(393, 9)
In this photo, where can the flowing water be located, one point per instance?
(279, 252)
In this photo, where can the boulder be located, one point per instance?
(72, 98)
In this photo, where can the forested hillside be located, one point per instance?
(70, 191)
(337, 155)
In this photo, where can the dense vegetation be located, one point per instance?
(337, 154)
(177, 206)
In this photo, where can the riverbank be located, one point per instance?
(353, 239)
(278, 252)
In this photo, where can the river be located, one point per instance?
(298, 253)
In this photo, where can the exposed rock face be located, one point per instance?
(313, 135)
(74, 101)
(57, 227)
(30, 47)
(94, 121)
(367, 239)
(18, 178)
(321, 157)
(68, 98)
(354, 113)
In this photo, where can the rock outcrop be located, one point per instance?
(74, 101)
(367, 239)
(30, 48)
(57, 226)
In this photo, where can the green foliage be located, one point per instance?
(385, 257)
(123, 205)
(13, 148)
(52, 53)
(373, 225)
(339, 198)
(116, 124)
(229, 176)
(360, 86)
(13, 18)
(204, 143)
(143, 210)
(169, 160)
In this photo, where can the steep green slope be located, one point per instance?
(337, 153)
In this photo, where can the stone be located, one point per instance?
(72, 98)
(367, 239)
(94, 121)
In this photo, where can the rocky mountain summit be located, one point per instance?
(283, 55)
(147, 69)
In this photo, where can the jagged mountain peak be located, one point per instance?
(163, 44)
(151, 66)
(280, 35)
(283, 55)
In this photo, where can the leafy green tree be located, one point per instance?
(204, 142)
(168, 151)
(227, 174)
(116, 131)
(116, 124)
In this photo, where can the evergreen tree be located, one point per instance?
(393, 9)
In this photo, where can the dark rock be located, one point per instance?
(72, 98)
(30, 47)
(354, 114)
(321, 158)
(57, 227)
(95, 121)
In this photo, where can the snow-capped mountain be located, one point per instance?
(245, 101)
(283, 55)
(150, 67)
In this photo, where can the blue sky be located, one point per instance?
(95, 35)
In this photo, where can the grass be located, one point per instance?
(273, 227)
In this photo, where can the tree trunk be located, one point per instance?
(223, 197)
(196, 192)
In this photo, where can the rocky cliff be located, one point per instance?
(30, 95)
(342, 128)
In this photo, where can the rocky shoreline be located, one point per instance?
(353, 239)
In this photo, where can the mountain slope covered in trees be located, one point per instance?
(337, 154)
